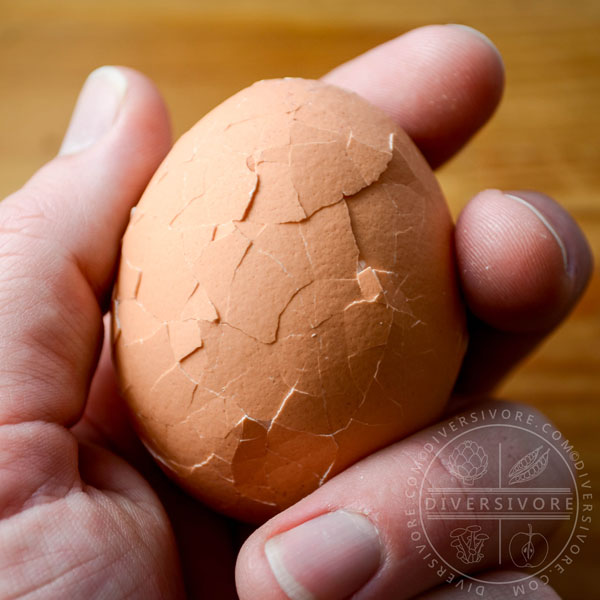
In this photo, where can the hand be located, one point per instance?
(84, 511)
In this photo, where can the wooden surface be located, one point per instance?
(546, 134)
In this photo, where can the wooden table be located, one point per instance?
(546, 134)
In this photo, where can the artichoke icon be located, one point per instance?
(468, 462)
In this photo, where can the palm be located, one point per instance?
(206, 543)
(106, 530)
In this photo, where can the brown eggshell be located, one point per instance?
(286, 301)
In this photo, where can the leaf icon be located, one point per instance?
(524, 463)
(529, 469)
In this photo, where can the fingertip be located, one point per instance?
(471, 31)
(143, 123)
(579, 258)
(441, 83)
(119, 133)
(331, 555)
(117, 101)
(253, 576)
(523, 260)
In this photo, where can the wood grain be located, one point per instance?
(545, 136)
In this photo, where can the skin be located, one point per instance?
(84, 512)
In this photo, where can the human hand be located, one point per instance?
(78, 519)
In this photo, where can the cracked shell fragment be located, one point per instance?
(286, 301)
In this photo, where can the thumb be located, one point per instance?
(59, 241)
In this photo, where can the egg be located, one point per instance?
(286, 301)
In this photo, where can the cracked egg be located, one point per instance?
(286, 301)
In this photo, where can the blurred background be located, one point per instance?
(546, 134)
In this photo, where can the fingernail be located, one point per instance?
(329, 558)
(96, 109)
(547, 225)
(479, 34)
